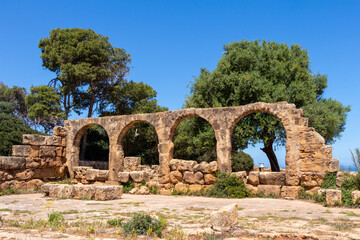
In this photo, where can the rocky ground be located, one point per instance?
(187, 217)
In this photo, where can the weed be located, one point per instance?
(128, 186)
(329, 181)
(228, 186)
(140, 224)
(117, 222)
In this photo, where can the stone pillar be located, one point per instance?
(223, 149)
(116, 159)
(166, 149)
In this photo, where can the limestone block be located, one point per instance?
(189, 177)
(165, 192)
(195, 188)
(46, 189)
(47, 151)
(12, 163)
(34, 183)
(59, 131)
(84, 191)
(355, 195)
(314, 164)
(21, 150)
(186, 165)
(253, 178)
(310, 180)
(182, 187)
(199, 178)
(213, 166)
(174, 164)
(138, 176)
(240, 175)
(132, 163)
(292, 178)
(225, 218)
(175, 177)
(53, 140)
(202, 167)
(252, 188)
(33, 139)
(209, 179)
(143, 190)
(334, 165)
(290, 191)
(273, 190)
(102, 175)
(135, 190)
(333, 197)
(272, 178)
(312, 190)
(24, 175)
(13, 184)
(123, 177)
(61, 191)
(106, 192)
(5, 176)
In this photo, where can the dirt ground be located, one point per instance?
(186, 217)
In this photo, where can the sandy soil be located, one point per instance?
(259, 218)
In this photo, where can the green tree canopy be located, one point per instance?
(44, 107)
(86, 65)
(254, 71)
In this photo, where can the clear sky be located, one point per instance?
(170, 41)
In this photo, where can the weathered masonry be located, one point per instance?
(307, 155)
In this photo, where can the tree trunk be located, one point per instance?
(84, 138)
(269, 151)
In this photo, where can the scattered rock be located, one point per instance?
(225, 218)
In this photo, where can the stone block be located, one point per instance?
(53, 140)
(47, 151)
(84, 191)
(290, 191)
(202, 167)
(181, 187)
(273, 190)
(272, 178)
(27, 174)
(106, 192)
(186, 165)
(33, 139)
(333, 197)
(175, 177)
(189, 177)
(123, 177)
(314, 164)
(34, 183)
(312, 190)
(195, 188)
(342, 175)
(174, 164)
(253, 178)
(21, 150)
(240, 175)
(355, 195)
(138, 176)
(209, 179)
(165, 192)
(132, 163)
(213, 166)
(252, 188)
(143, 190)
(59, 131)
(199, 178)
(311, 180)
(12, 163)
(225, 218)
(5, 176)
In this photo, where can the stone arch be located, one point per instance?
(76, 141)
(181, 118)
(121, 136)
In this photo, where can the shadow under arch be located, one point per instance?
(78, 137)
(179, 120)
(269, 151)
(120, 153)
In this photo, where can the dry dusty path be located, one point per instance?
(258, 217)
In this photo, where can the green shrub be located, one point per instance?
(329, 181)
(128, 186)
(142, 224)
(347, 187)
(56, 220)
(9, 191)
(228, 186)
(241, 161)
(153, 189)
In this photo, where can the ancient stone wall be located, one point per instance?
(39, 158)
(307, 159)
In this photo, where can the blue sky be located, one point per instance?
(170, 41)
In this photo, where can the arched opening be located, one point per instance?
(258, 139)
(96, 154)
(194, 139)
(141, 141)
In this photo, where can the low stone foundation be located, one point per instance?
(79, 191)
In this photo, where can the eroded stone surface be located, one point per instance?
(225, 218)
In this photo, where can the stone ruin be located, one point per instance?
(40, 158)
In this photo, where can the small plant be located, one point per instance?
(153, 189)
(128, 186)
(329, 181)
(9, 191)
(56, 220)
(228, 186)
(117, 222)
(142, 224)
